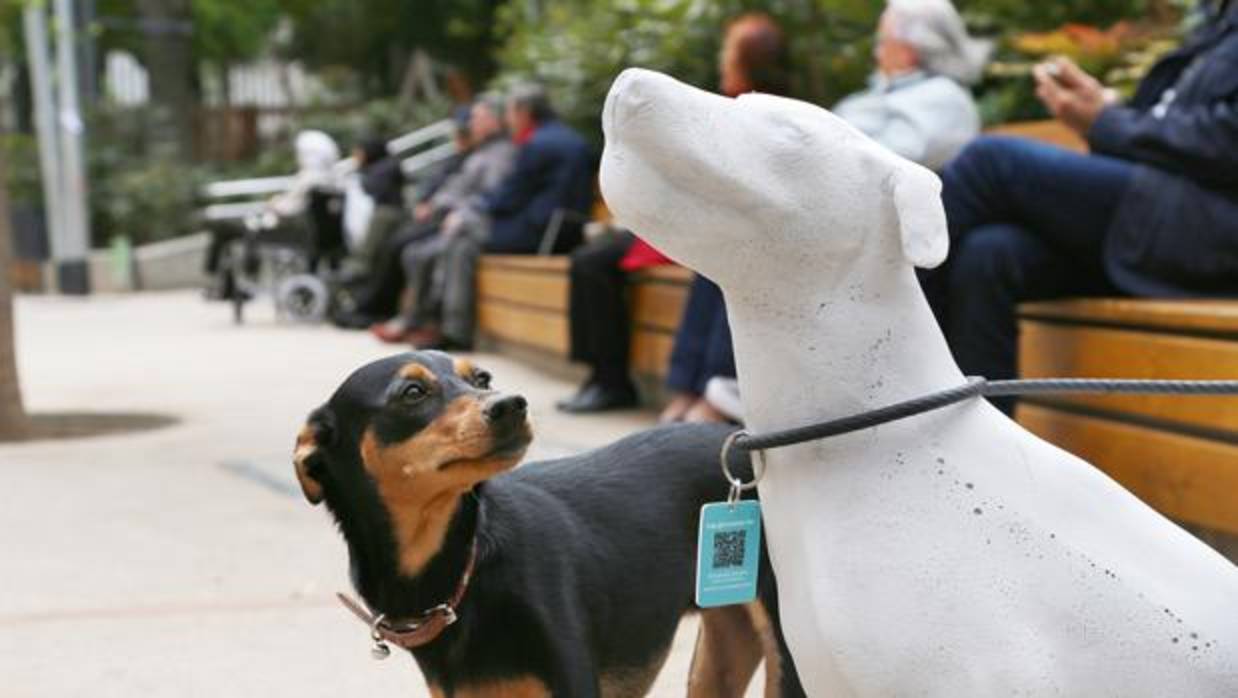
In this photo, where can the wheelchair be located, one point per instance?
(294, 261)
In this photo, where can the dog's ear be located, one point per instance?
(921, 219)
(309, 456)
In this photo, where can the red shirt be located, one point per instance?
(641, 255)
(524, 135)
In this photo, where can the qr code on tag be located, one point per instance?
(729, 549)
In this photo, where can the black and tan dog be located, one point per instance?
(561, 578)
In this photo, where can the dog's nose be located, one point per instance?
(506, 409)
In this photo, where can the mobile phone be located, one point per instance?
(1053, 70)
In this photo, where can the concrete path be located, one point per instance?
(183, 561)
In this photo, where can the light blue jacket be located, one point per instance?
(924, 118)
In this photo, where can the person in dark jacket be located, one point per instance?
(383, 180)
(1151, 211)
(553, 172)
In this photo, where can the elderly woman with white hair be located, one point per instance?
(317, 155)
(918, 104)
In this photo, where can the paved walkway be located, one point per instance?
(183, 561)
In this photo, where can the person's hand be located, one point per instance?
(423, 211)
(451, 224)
(1071, 95)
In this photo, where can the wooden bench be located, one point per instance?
(523, 302)
(1179, 454)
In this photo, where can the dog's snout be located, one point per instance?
(506, 409)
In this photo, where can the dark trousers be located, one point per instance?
(702, 342)
(1027, 222)
(598, 310)
(378, 294)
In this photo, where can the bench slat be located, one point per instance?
(527, 262)
(651, 352)
(657, 305)
(1205, 316)
(1051, 350)
(1186, 478)
(535, 289)
(523, 325)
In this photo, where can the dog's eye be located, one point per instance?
(413, 392)
(481, 379)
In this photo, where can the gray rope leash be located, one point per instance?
(976, 387)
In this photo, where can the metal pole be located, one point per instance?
(45, 126)
(72, 269)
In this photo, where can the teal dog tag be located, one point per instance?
(728, 551)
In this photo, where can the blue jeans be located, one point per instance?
(1027, 222)
(703, 341)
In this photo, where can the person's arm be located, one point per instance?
(457, 188)
(293, 200)
(1198, 140)
(519, 184)
(1201, 141)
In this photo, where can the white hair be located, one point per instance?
(936, 31)
(315, 151)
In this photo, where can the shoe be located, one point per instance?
(598, 398)
(391, 333)
(723, 395)
(353, 320)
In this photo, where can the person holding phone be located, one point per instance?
(1152, 210)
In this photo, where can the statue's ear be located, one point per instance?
(921, 219)
(310, 455)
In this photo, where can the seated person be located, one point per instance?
(553, 170)
(375, 297)
(487, 166)
(382, 179)
(599, 322)
(1152, 211)
(317, 155)
(918, 103)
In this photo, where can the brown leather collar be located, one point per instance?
(420, 630)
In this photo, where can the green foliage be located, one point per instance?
(147, 200)
(10, 29)
(229, 32)
(1006, 16)
(20, 153)
(375, 37)
(378, 118)
(576, 47)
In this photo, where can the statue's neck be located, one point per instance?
(818, 352)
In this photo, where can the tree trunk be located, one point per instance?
(13, 422)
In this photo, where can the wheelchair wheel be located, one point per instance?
(303, 298)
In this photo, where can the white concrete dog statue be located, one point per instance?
(948, 554)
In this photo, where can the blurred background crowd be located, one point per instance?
(178, 93)
(390, 145)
